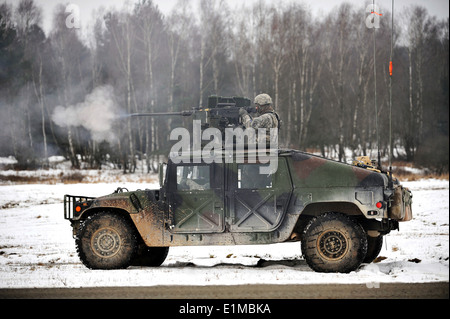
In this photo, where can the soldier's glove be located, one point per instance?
(242, 112)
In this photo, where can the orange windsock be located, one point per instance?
(390, 68)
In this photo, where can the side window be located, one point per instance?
(193, 177)
(250, 177)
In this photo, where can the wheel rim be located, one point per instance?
(106, 242)
(332, 245)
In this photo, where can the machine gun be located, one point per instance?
(221, 113)
(224, 112)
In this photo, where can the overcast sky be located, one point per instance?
(439, 8)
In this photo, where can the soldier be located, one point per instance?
(267, 117)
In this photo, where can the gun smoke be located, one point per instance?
(96, 114)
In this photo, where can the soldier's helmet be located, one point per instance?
(263, 99)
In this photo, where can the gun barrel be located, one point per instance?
(183, 113)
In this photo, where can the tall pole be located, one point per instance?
(391, 148)
(375, 90)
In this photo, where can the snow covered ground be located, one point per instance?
(37, 248)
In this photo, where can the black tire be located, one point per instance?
(333, 242)
(150, 256)
(374, 245)
(106, 241)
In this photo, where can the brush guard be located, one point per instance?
(71, 203)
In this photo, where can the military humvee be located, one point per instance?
(339, 212)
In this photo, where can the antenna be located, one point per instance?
(391, 148)
(375, 94)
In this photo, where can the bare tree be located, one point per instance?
(363, 64)
(416, 46)
(337, 60)
(28, 19)
(149, 23)
(123, 37)
(243, 52)
(214, 43)
(66, 48)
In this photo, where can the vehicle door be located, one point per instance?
(256, 202)
(196, 198)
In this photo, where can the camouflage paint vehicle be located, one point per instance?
(339, 212)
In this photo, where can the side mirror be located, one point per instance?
(162, 172)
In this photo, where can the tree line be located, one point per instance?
(320, 71)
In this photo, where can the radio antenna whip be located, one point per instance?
(375, 88)
(391, 148)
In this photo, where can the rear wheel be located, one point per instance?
(374, 245)
(333, 242)
(106, 241)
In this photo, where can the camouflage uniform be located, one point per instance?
(267, 117)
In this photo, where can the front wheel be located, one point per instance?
(106, 241)
(332, 242)
(150, 256)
